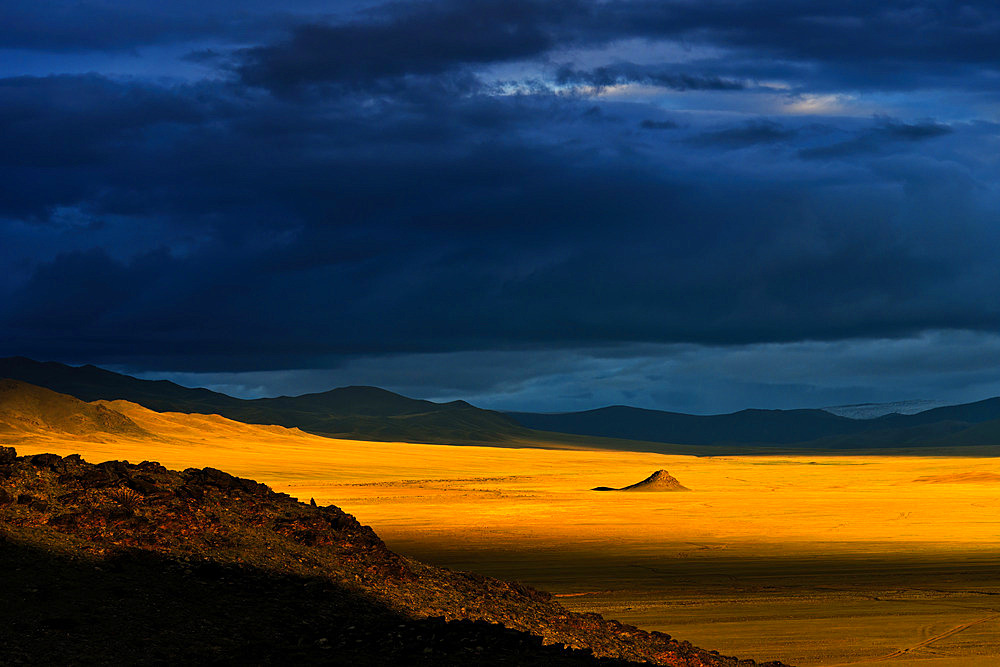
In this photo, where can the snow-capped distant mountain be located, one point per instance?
(873, 410)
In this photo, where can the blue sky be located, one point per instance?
(534, 205)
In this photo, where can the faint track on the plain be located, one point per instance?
(927, 642)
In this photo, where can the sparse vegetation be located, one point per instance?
(126, 497)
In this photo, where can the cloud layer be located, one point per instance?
(312, 189)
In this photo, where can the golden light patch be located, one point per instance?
(815, 560)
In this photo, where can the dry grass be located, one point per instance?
(813, 560)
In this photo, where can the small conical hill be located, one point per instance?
(661, 480)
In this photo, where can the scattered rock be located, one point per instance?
(216, 541)
(51, 461)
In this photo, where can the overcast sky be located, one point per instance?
(531, 204)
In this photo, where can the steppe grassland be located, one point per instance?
(813, 560)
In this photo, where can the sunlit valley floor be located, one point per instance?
(814, 560)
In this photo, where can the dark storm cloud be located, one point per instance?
(204, 56)
(886, 133)
(650, 124)
(912, 131)
(753, 132)
(423, 38)
(83, 287)
(625, 73)
(409, 199)
(61, 135)
(890, 45)
(887, 44)
(300, 231)
(110, 25)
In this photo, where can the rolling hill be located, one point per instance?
(363, 413)
(25, 408)
(370, 413)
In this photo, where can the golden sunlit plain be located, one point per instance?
(813, 560)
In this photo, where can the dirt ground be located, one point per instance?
(811, 560)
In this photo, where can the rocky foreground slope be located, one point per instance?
(118, 562)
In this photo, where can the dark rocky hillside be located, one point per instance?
(137, 564)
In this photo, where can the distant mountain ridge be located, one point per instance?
(873, 410)
(746, 426)
(363, 413)
(970, 424)
(370, 413)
